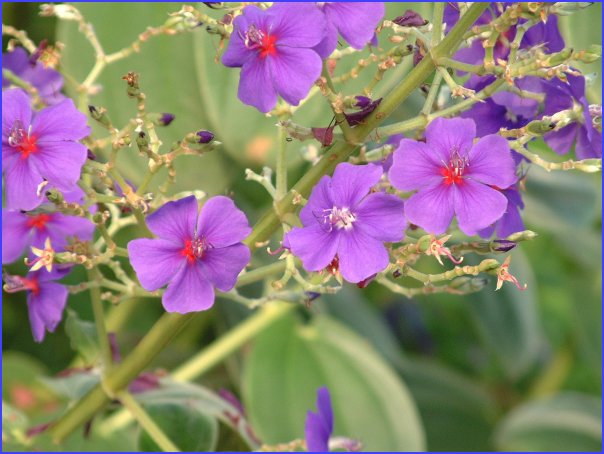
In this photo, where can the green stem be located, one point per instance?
(437, 22)
(99, 320)
(432, 94)
(169, 324)
(154, 431)
(281, 167)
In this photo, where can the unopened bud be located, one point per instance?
(410, 18)
(54, 196)
(525, 235)
(165, 119)
(204, 136)
(540, 127)
(502, 245)
(100, 114)
(594, 53)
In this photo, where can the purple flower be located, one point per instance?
(510, 222)
(560, 96)
(39, 147)
(453, 176)
(355, 21)
(274, 49)
(345, 224)
(46, 299)
(319, 426)
(22, 230)
(504, 109)
(47, 81)
(194, 252)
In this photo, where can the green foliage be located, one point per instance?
(290, 361)
(83, 336)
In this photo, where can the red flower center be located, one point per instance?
(22, 141)
(38, 221)
(194, 249)
(453, 172)
(14, 284)
(258, 40)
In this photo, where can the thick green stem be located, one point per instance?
(99, 320)
(169, 324)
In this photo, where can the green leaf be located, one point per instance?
(19, 371)
(188, 428)
(82, 336)
(565, 422)
(289, 361)
(508, 323)
(202, 399)
(73, 386)
(459, 412)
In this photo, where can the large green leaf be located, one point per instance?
(290, 361)
(83, 336)
(564, 422)
(508, 323)
(458, 412)
(189, 429)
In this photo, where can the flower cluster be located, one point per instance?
(279, 50)
(345, 223)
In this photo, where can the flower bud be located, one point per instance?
(100, 114)
(594, 53)
(502, 245)
(362, 101)
(540, 127)
(410, 18)
(204, 136)
(54, 196)
(165, 119)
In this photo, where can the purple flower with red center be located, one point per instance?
(274, 49)
(22, 230)
(511, 221)
(46, 299)
(355, 21)
(453, 176)
(47, 81)
(345, 226)
(319, 425)
(40, 147)
(194, 252)
(561, 96)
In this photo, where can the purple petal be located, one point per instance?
(317, 436)
(489, 117)
(46, 308)
(314, 246)
(189, 291)
(350, 183)
(21, 186)
(15, 235)
(223, 265)
(320, 200)
(562, 141)
(491, 162)
(361, 256)
(380, 216)
(155, 262)
(447, 135)
(510, 222)
(329, 43)
(222, 223)
(294, 71)
(431, 208)
(60, 162)
(60, 122)
(325, 408)
(15, 107)
(61, 225)
(237, 53)
(175, 221)
(356, 21)
(546, 35)
(477, 206)
(587, 147)
(256, 86)
(415, 166)
(472, 55)
(525, 107)
(297, 24)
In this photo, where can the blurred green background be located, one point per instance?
(489, 371)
